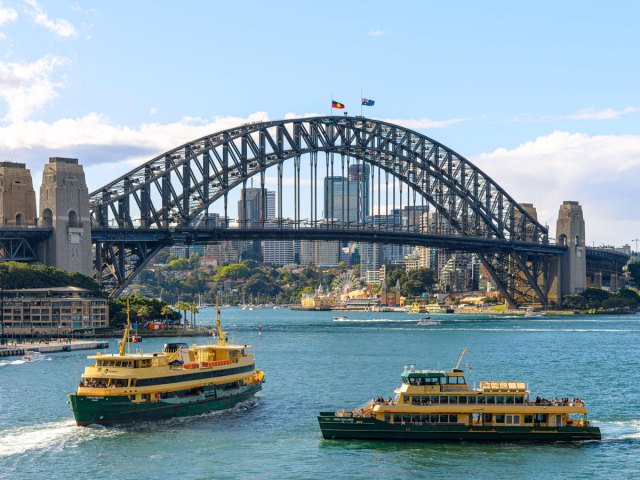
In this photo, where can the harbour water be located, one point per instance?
(313, 363)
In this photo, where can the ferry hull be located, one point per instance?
(110, 410)
(334, 427)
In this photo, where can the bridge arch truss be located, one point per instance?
(165, 200)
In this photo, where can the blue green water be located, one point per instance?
(313, 363)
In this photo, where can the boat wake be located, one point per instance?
(48, 436)
(373, 320)
(11, 362)
(621, 430)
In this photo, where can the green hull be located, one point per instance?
(334, 427)
(110, 410)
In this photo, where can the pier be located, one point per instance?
(20, 348)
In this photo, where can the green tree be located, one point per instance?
(165, 312)
(634, 272)
(595, 296)
(233, 271)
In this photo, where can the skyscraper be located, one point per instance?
(359, 174)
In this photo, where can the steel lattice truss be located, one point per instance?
(171, 190)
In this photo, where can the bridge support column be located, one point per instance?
(570, 232)
(613, 283)
(597, 280)
(64, 206)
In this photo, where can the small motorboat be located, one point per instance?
(427, 321)
(32, 356)
(136, 338)
(341, 317)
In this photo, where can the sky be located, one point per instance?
(542, 96)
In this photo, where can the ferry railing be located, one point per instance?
(364, 407)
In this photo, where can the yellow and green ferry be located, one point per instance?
(437, 405)
(181, 380)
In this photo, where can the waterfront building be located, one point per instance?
(371, 256)
(180, 251)
(222, 252)
(52, 311)
(317, 300)
(323, 254)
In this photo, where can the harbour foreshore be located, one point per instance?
(19, 349)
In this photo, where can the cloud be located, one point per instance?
(7, 15)
(419, 123)
(27, 87)
(378, 33)
(599, 171)
(59, 26)
(606, 114)
(153, 111)
(585, 114)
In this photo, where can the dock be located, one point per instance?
(20, 348)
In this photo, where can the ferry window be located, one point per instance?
(453, 418)
(519, 399)
(415, 418)
(471, 399)
(509, 399)
(540, 417)
(499, 418)
(444, 418)
(396, 419)
(500, 400)
(453, 399)
(491, 399)
(486, 418)
(406, 418)
(434, 399)
(406, 399)
(481, 400)
(513, 420)
(444, 399)
(462, 399)
(415, 400)
(528, 418)
(433, 419)
(425, 400)
(405, 380)
(432, 381)
(387, 417)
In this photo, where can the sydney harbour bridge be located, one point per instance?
(168, 200)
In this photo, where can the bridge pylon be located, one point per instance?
(571, 266)
(64, 206)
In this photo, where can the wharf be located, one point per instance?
(20, 348)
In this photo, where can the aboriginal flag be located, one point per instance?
(335, 104)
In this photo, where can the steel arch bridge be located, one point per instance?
(165, 200)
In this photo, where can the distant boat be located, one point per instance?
(341, 317)
(32, 356)
(136, 338)
(427, 321)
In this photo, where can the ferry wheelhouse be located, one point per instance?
(436, 405)
(181, 380)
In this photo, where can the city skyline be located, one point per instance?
(545, 104)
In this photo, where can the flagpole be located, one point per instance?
(331, 114)
(361, 102)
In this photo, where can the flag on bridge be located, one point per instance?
(367, 102)
(335, 104)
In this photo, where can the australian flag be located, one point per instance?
(367, 102)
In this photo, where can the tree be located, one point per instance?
(634, 272)
(193, 308)
(233, 271)
(595, 297)
(143, 312)
(184, 306)
(165, 312)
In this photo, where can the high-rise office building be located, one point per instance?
(359, 175)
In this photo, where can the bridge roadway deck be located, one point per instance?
(204, 235)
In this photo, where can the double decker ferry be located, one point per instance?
(437, 405)
(181, 380)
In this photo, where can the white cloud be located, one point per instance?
(7, 15)
(378, 33)
(606, 114)
(59, 26)
(27, 87)
(585, 114)
(599, 171)
(419, 123)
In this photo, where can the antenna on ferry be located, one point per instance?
(222, 339)
(125, 335)
(464, 350)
